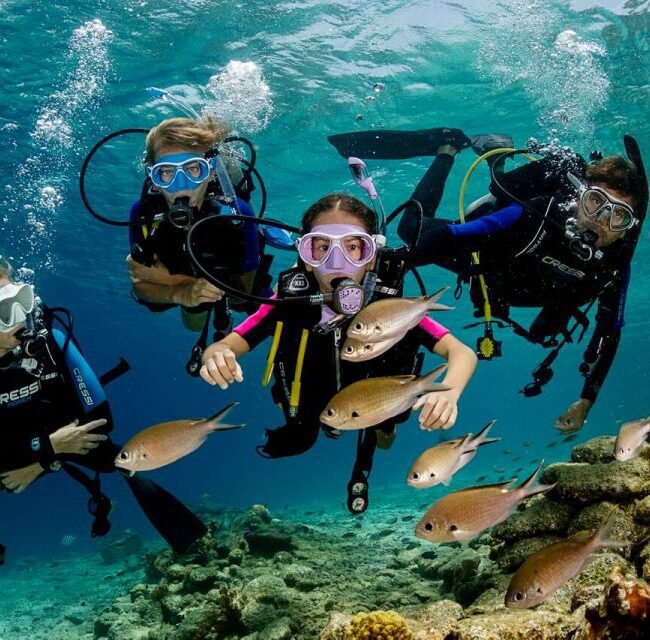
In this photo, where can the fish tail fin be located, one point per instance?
(434, 305)
(428, 383)
(215, 423)
(603, 537)
(527, 485)
(481, 438)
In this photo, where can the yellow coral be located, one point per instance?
(378, 625)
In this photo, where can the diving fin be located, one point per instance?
(392, 144)
(634, 154)
(173, 520)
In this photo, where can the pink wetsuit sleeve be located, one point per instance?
(254, 320)
(433, 328)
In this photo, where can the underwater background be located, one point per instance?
(287, 75)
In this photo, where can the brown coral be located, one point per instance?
(378, 625)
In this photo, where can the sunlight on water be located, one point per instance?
(561, 73)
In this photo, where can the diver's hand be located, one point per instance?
(8, 340)
(197, 292)
(439, 409)
(75, 438)
(574, 417)
(18, 480)
(157, 273)
(221, 367)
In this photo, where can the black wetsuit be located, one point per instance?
(324, 373)
(35, 402)
(527, 262)
(231, 250)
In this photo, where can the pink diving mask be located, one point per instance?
(337, 248)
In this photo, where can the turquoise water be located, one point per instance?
(287, 75)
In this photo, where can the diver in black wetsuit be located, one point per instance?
(55, 415)
(557, 243)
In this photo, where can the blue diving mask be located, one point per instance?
(180, 172)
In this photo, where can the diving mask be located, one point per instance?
(16, 303)
(179, 172)
(336, 247)
(597, 203)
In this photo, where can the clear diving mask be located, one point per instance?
(599, 204)
(16, 304)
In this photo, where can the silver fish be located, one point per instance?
(544, 572)
(358, 351)
(463, 515)
(369, 402)
(167, 442)
(630, 439)
(393, 317)
(438, 464)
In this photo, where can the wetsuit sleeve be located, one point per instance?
(20, 449)
(258, 326)
(442, 238)
(430, 332)
(603, 345)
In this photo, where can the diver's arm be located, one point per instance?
(192, 292)
(440, 409)
(220, 366)
(441, 238)
(157, 273)
(599, 355)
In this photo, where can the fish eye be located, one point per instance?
(349, 349)
(416, 476)
(124, 455)
(358, 326)
(331, 412)
(428, 526)
(518, 596)
(355, 414)
(453, 527)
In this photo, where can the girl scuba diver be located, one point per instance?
(338, 244)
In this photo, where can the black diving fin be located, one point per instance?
(392, 144)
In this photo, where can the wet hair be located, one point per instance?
(194, 135)
(340, 202)
(616, 173)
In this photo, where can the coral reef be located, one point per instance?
(378, 625)
(259, 577)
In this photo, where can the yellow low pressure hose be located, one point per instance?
(270, 361)
(294, 400)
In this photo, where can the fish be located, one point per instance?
(68, 539)
(546, 570)
(393, 317)
(354, 350)
(630, 439)
(438, 464)
(463, 515)
(167, 442)
(369, 402)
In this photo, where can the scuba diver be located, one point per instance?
(187, 181)
(193, 173)
(340, 251)
(558, 233)
(55, 415)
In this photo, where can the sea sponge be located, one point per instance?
(378, 625)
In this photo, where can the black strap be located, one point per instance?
(193, 366)
(99, 505)
(116, 372)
